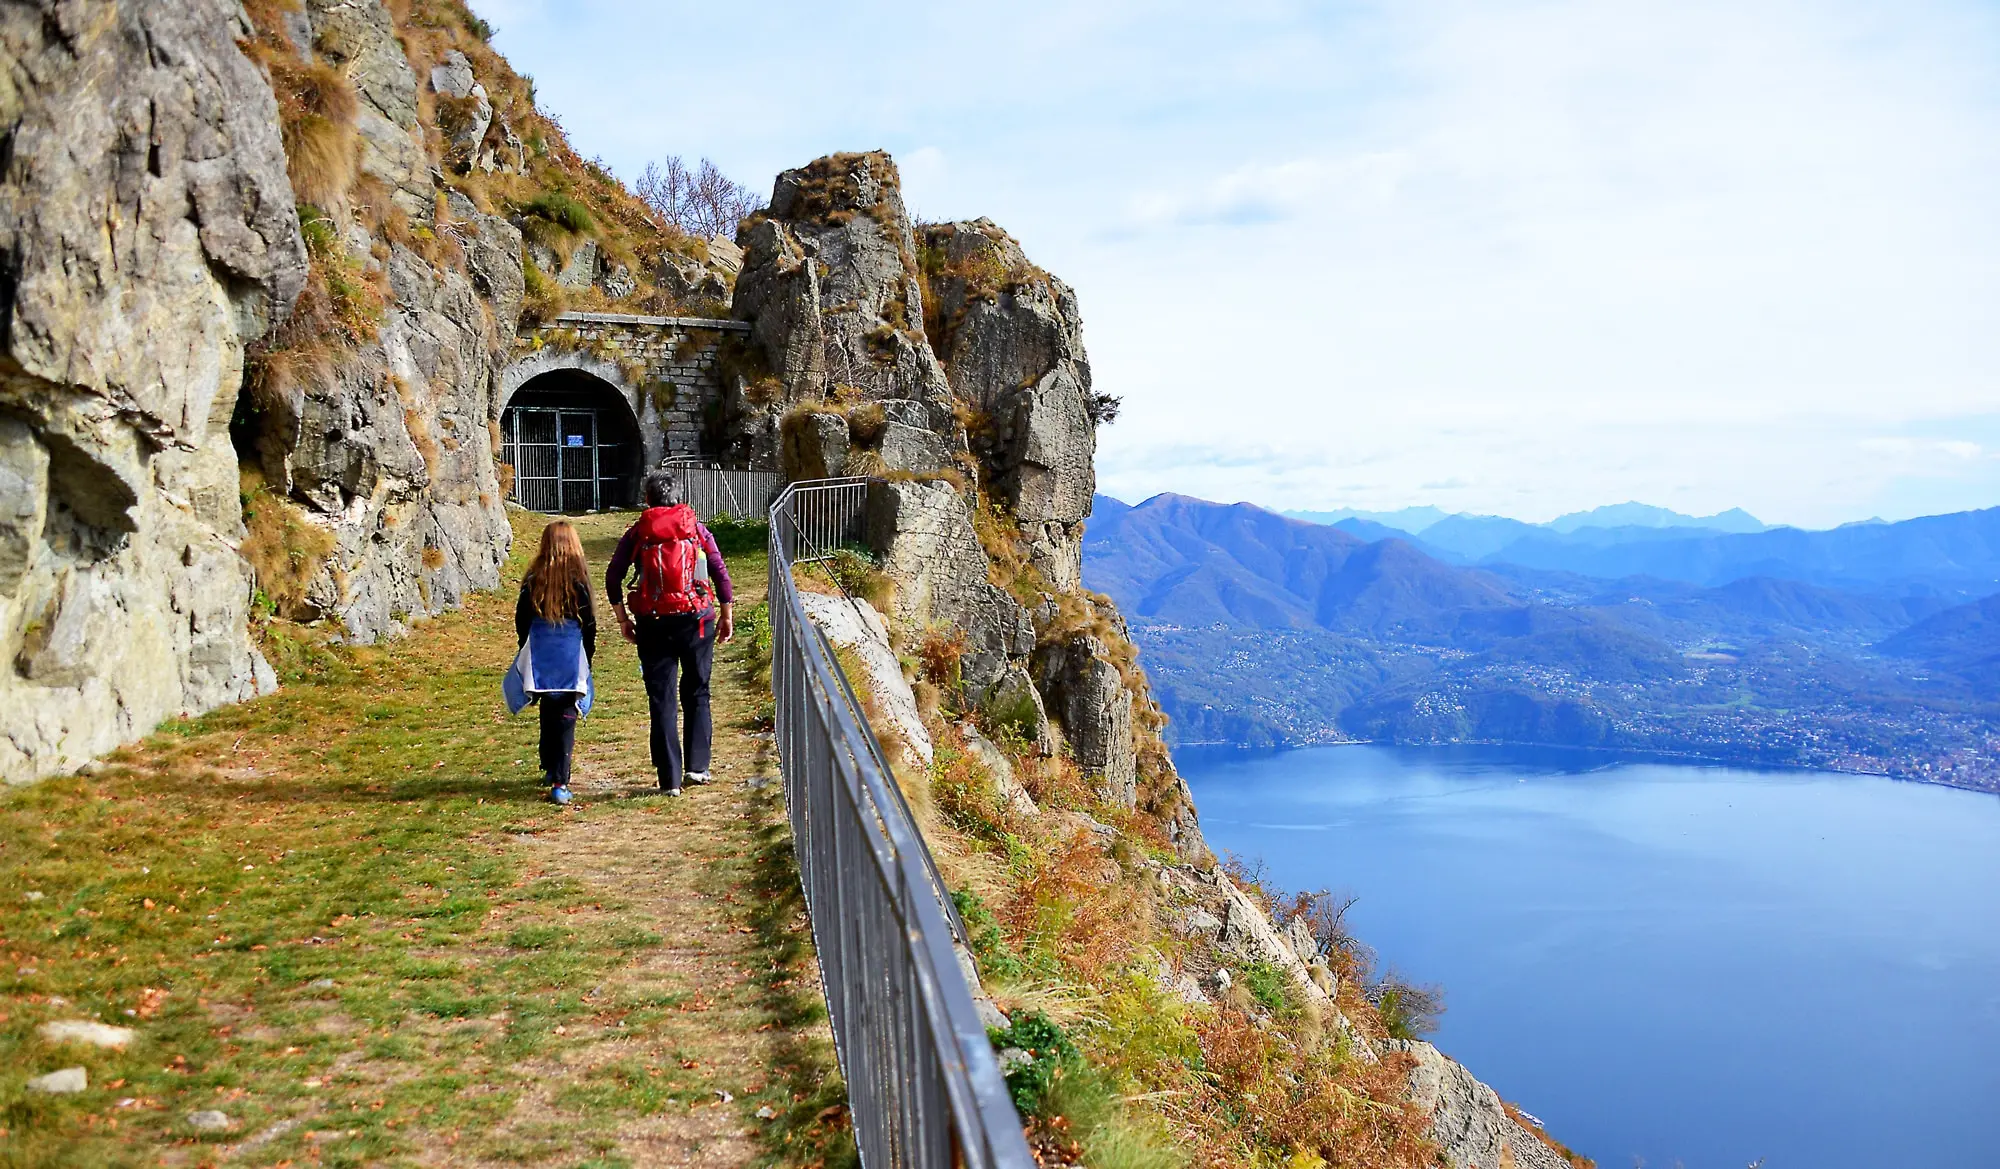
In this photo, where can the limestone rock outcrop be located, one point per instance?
(147, 233)
(923, 533)
(359, 38)
(835, 299)
(390, 443)
(1095, 710)
(492, 258)
(471, 111)
(1468, 1122)
(1011, 339)
(890, 352)
(856, 626)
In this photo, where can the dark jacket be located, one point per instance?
(586, 615)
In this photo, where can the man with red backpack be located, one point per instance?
(681, 606)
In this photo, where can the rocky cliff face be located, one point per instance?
(265, 264)
(945, 364)
(1011, 339)
(950, 364)
(147, 233)
(386, 441)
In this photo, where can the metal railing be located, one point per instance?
(712, 489)
(923, 1085)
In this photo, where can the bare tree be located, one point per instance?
(1325, 916)
(664, 188)
(1409, 1010)
(701, 201)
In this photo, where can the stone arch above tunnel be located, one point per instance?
(668, 370)
(547, 363)
(571, 442)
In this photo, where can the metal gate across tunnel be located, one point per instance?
(572, 450)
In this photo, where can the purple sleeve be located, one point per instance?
(717, 570)
(614, 576)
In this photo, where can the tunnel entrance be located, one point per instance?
(573, 444)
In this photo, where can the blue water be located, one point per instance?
(1666, 962)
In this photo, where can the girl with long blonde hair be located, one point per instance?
(556, 623)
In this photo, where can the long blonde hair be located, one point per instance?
(556, 572)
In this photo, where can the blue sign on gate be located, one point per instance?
(572, 440)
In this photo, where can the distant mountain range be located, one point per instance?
(1417, 520)
(1853, 648)
(1953, 558)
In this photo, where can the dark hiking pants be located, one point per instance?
(678, 648)
(558, 735)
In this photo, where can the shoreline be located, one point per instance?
(1622, 753)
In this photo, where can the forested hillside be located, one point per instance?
(1263, 630)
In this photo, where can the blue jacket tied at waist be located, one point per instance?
(551, 661)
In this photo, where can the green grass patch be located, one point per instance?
(318, 906)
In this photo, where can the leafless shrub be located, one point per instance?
(1325, 916)
(702, 201)
(1409, 1010)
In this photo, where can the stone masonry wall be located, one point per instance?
(667, 368)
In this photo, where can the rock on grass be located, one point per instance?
(85, 1031)
(61, 1083)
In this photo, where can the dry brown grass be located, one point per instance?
(284, 547)
(543, 300)
(866, 423)
(274, 376)
(1074, 901)
(938, 656)
(316, 109)
(1275, 1089)
(1007, 561)
(1055, 781)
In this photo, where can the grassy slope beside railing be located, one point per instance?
(508, 982)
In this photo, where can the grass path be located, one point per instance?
(343, 917)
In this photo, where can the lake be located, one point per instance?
(1665, 962)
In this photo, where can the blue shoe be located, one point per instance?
(559, 794)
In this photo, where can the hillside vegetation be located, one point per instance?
(1261, 630)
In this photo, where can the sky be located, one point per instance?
(1514, 257)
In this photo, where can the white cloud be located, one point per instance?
(1258, 194)
(1562, 252)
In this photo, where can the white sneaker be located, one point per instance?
(696, 778)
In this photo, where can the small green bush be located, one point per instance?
(739, 535)
(1051, 1057)
(855, 572)
(564, 211)
(989, 945)
(1407, 1010)
(1270, 985)
(318, 232)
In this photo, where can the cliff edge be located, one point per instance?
(939, 359)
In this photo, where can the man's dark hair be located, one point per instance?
(662, 488)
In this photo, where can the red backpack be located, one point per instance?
(672, 571)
